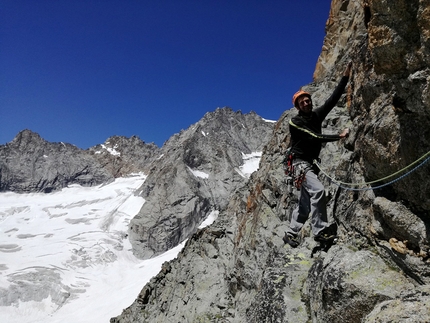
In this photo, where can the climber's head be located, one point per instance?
(302, 101)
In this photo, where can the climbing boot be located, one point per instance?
(293, 241)
(325, 241)
(325, 237)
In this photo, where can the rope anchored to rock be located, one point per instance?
(353, 186)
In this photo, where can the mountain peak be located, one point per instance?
(198, 170)
(25, 137)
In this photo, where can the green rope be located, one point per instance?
(379, 180)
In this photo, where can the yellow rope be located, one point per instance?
(375, 181)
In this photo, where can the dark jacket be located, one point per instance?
(306, 136)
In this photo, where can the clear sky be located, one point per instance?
(80, 71)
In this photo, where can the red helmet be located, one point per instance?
(299, 94)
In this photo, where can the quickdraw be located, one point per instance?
(300, 178)
(303, 167)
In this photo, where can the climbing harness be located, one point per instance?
(296, 172)
(419, 162)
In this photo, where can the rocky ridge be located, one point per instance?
(31, 164)
(238, 269)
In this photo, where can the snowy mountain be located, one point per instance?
(66, 255)
(31, 164)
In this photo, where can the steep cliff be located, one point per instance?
(239, 270)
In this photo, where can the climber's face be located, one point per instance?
(305, 104)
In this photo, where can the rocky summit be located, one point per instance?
(195, 174)
(239, 270)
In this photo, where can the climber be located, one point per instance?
(306, 140)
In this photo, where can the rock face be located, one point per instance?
(121, 156)
(196, 172)
(239, 270)
(31, 164)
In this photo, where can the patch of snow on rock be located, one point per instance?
(112, 151)
(250, 164)
(198, 173)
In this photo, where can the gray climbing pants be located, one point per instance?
(312, 202)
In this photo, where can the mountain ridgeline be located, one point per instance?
(192, 175)
(239, 270)
(31, 164)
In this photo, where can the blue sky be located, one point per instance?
(80, 71)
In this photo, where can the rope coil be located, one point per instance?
(425, 158)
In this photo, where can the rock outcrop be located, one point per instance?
(195, 174)
(239, 270)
